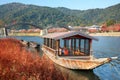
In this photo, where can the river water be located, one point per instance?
(105, 47)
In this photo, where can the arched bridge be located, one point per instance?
(3, 29)
(32, 24)
(27, 23)
(22, 23)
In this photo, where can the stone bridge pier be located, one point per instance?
(3, 32)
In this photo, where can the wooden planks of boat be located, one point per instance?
(82, 63)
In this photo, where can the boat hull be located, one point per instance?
(79, 63)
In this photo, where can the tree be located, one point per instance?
(1, 23)
(110, 22)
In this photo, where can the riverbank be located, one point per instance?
(106, 34)
(92, 34)
(24, 34)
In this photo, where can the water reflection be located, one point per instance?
(77, 74)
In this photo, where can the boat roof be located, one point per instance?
(60, 35)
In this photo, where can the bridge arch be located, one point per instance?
(32, 24)
(4, 29)
(22, 23)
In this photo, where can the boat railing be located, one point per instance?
(72, 52)
(49, 49)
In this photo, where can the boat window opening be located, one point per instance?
(47, 42)
(44, 41)
(85, 46)
(57, 47)
(51, 43)
(54, 44)
(79, 44)
(74, 46)
(67, 43)
(64, 42)
(61, 43)
(78, 47)
(66, 47)
(82, 45)
(71, 47)
(87, 49)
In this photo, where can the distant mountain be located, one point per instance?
(58, 17)
(94, 16)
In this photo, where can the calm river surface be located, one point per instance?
(105, 47)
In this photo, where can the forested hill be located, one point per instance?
(94, 16)
(47, 16)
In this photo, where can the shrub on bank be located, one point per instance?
(16, 63)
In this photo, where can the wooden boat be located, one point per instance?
(72, 50)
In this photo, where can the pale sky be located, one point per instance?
(71, 4)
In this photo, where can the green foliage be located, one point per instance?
(58, 17)
(110, 22)
(1, 23)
